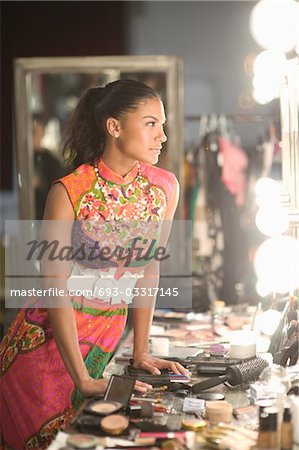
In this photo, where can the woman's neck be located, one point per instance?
(118, 163)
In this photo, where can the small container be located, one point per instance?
(160, 346)
(219, 411)
(262, 404)
(268, 436)
(286, 435)
(242, 344)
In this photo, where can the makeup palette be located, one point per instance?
(103, 407)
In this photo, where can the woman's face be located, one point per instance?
(141, 133)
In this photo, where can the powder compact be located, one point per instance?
(103, 407)
(114, 424)
(82, 441)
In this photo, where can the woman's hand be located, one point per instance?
(153, 365)
(90, 387)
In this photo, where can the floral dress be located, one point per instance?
(38, 396)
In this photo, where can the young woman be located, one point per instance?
(52, 357)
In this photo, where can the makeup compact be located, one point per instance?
(82, 441)
(114, 424)
(119, 389)
(103, 407)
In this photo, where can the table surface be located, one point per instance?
(235, 396)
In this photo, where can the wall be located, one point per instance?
(31, 29)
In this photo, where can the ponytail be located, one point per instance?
(85, 135)
(84, 138)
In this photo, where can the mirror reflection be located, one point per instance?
(53, 98)
(221, 158)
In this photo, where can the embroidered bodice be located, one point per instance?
(104, 197)
(141, 196)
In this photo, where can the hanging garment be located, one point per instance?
(234, 165)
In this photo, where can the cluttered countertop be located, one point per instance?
(233, 396)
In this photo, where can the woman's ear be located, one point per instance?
(113, 127)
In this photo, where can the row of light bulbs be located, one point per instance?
(276, 261)
(274, 24)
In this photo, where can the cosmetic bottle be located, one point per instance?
(268, 436)
(286, 435)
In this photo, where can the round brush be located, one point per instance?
(243, 373)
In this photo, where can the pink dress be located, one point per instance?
(38, 396)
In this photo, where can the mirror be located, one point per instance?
(46, 92)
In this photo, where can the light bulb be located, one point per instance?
(263, 288)
(267, 191)
(274, 24)
(271, 63)
(264, 94)
(272, 220)
(268, 321)
(276, 264)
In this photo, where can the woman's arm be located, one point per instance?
(142, 317)
(57, 225)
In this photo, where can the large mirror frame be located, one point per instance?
(113, 66)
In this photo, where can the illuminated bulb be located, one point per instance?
(276, 264)
(272, 220)
(263, 288)
(268, 321)
(264, 95)
(274, 24)
(267, 191)
(270, 63)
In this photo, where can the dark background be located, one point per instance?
(32, 29)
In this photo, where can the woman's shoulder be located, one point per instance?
(157, 175)
(80, 173)
(162, 178)
(78, 181)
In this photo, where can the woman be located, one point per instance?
(52, 357)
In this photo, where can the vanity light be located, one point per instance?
(274, 24)
(270, 63)
(263, 287)
(267, 191)
(268, 321)
(272, 220)
(269, 70)
(276, 264)
(264, 94)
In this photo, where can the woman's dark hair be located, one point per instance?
(85, 135)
